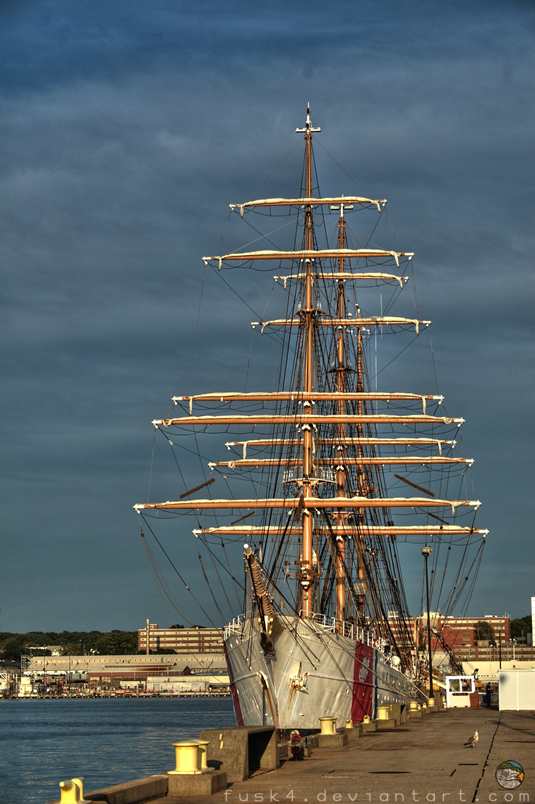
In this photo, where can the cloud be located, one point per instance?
(128, 131)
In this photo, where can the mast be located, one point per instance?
(306, 575)
(362, 481)
(341, 516)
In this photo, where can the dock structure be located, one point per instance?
(423, 759)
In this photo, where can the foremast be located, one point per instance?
(307, 574)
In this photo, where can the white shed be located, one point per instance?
(516, 689)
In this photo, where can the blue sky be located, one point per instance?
(127, 129)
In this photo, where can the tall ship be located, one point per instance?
(312, 487)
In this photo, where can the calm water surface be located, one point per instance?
(107, 741)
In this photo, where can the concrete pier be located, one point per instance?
(421, 760)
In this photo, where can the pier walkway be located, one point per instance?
(419, 761)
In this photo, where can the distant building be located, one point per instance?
(180, 640)
(104, 669)
(404, 630)
(459, 635)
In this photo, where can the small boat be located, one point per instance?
(328, 476)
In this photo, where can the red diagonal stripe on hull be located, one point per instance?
(363, 681)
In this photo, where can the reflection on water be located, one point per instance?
(107, 741)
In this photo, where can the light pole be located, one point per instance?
(426, 552)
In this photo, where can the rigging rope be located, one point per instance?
(178, 573)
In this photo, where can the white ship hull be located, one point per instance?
(313, 672)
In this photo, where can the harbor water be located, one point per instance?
(107, 741)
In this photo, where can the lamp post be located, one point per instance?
(426, 552)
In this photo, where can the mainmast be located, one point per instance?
(341, 469)
(307, 574)
(341, 384)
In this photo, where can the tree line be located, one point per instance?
(520, 627)
(70, 643)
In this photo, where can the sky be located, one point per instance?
(127, 129)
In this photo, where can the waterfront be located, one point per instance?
(107, 741)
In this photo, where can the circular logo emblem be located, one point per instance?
(510, 774)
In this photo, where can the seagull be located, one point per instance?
(473, 740)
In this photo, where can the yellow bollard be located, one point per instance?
(383, 713)
(328, 725)
(349, 724)
(72, 791)
(187, 757)
(413, 705)
(366, 719)
(203, 745)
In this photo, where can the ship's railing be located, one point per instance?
(329, 624)
(349, 630)
(234, 626)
